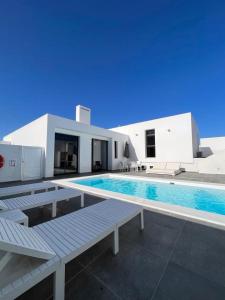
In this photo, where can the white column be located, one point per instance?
(26, 222)
(82, 200)
(116, 241)
(54, 209)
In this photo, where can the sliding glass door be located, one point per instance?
(99, 155)
(66, 154)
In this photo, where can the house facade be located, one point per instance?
(170, 139)
(63, 146)
(72, 146)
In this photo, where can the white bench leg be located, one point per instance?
(26, 222)
(82, 200)
(116, 241)
(54, 209)
(5, 259)
(142, 219)
(59, 283)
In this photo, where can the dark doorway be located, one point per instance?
(66, 154)
(99, 155)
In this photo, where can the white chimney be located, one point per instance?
(83, 114)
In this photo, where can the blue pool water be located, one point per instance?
(210, 200)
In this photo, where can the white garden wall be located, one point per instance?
(11, 171)
(21, 163)
(210, 146)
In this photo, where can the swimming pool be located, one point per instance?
(204, 199)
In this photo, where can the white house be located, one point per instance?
(52, 145)
(71, 146)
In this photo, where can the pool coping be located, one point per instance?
(190, 214)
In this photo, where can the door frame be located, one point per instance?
(92, 154)
(78, 154)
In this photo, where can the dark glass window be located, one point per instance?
(66, 154)
(116, 149)
(150, 143)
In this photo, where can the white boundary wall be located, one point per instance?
(21, 163)
(212, 145)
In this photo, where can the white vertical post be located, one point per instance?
(26, 222)
(82, 200)
(142, 219)
(54, 209)
(4, 260)
(59, 283)
(32, 192)
(116, 241)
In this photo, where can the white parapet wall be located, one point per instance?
(209, 146)
(213, 164)
(213, 160)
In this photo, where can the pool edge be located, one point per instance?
(181, 212)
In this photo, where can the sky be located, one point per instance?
(129, 61)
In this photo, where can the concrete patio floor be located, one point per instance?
(172, 259)
(189, 176)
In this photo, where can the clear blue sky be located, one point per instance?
(129, 61)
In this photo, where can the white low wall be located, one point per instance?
(209, 146)
(21, 163)
(11, 171)
(213, 164)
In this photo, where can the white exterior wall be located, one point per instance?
(173, 136)
(195, 137)
(32, 134)
(41, 132)
(176, 140)
(85, 133)
(213, 160)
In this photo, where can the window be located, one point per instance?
(115, 149)
(150, 143)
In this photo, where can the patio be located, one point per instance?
(171, 259)
(189, 176)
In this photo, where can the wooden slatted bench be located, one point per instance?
(47, 247)
(27, 188)
(72, 234)
(38, 200)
